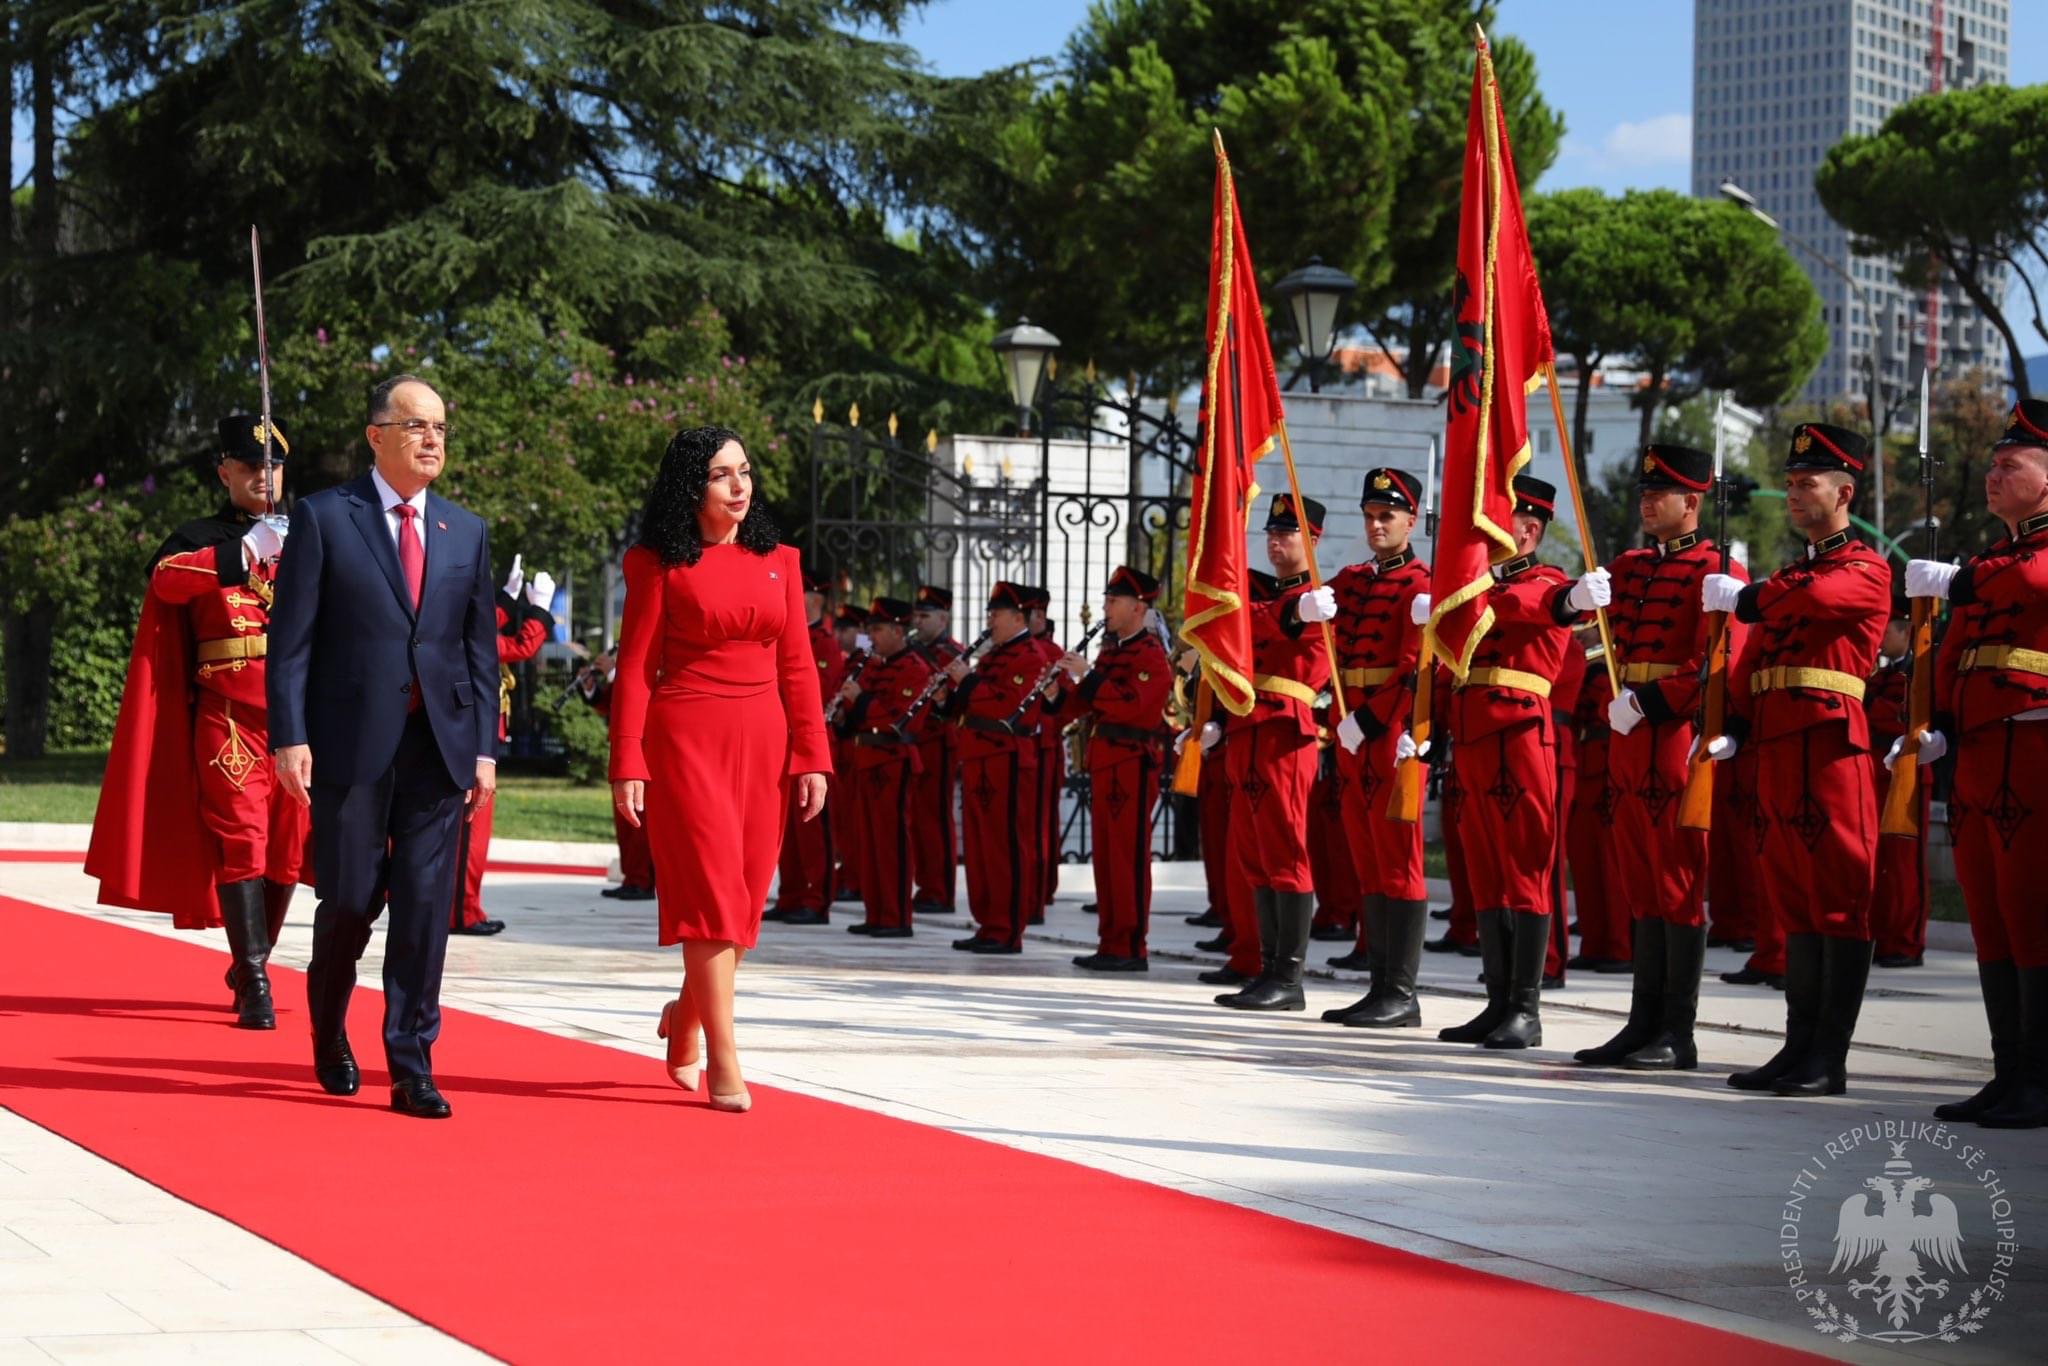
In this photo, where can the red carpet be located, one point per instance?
(578, 1208)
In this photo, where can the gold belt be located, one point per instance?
(1646, 673)
(1793, 676)
(1508, 678)
(233, 647)
(1276, 686)
(1367, 678)
(2004, 657)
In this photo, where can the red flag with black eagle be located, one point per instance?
(1499, 355)
(1241, 416)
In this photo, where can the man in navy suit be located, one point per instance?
(383, 714)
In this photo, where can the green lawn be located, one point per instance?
(64, 788)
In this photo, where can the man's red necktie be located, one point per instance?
(412, 562)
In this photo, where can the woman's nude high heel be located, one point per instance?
(683, 1074)
(738, 1103)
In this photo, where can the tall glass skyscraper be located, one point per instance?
(1778, 82)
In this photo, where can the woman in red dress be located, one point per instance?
(716, 709)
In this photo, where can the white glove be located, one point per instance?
(516, 578)
(1418, 609)
(1933, 744)
(1318, 604)
(861, 641)
(1212, 735)
(1596, 589)
(1624, 713)
(1349, 733)
(1180, 742)
(541, 592)
(1718, 592)
(1405, 748)
(1928, 578)
(1722, 747)
(263, 541)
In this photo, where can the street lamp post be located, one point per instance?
(1024, 351)
(1736, 195)
(1312, 295)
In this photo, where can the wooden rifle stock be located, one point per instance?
(1901, 798)
(1696, 807)
(1404, 803)
(1187, 768)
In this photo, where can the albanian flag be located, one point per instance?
(1240, 416)
(1500, 354)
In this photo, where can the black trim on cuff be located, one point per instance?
(1290, 618)
(231, 563)
(1656, 710)
(1748, 609)
(1945, 722)
(1368, 723)
(1091, 683)
(543, 616)
(1962, 589)
(1561, 610)
(1735, 727)
(512, 607)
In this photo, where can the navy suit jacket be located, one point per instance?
(346, 644)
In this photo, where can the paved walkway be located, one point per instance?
(1663, 1192)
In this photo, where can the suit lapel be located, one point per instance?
(366, 510)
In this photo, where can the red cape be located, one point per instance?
(149, 849)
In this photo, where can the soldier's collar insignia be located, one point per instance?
(1678, 543)
(1295, 582)
(1834, 542)
(2032, 525)
(1513, 567)
(1393, 562)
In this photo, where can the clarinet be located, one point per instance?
(1051, 670)
(931, 688)
(853, 672)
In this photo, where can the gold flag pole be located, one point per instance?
(1315, 577)
(1571, 477)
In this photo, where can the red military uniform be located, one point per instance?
(1052, 778)
(1898, 894)
(1598, 907)
(1123, 698)
(935, 842)
(522, 630)
(882, 777)
(1377, 649)
(804, 879)
(1565, 691)
(997, 708)
(1339, 896)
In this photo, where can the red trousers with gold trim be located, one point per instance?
(1898, 896)
(1339, 896)
(1660, 867)
(804, 874)
(999, 822)
(1509, 781)
(880, 802)
(1820, 848)
(1589, 848)
(1998, 819)
(1121, 797)
(257, 830)
(1272, 769)
(1387, 853)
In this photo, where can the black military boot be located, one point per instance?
(1494, 930)
(1403, 926)
(1824, 1071)
(1374, 921)
(1802, 1014)
(1522, 1026)
(277, 901)
(1294, 915)
(1645, 997)
(241, 914)
(2025, 1105)
(1673, 1049)
(2001, 984)
(1264, 914)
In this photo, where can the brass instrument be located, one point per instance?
(937, 681)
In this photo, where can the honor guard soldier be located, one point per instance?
(1795, 694)
(884, 769)
(995, 702)
(1381, 606)
(1898, 899)
(1991, 703)
(1506, 762)
(524, 625)
(1229, 890)
(1661, 637)
(803, 888)
(1052, 758)
(935, 841)
(1122, 697)
(1271, 754)
(191, 821)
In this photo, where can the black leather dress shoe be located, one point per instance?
(860, 927)
(889, 932)
(967, 945)
(806, 917)
(930, 908)
(1223, 977)
(626, 891)
(995, 946)
(482, 927)
(417, 1097)
(1090, 908)
(1900, 960)
(1219, 944)
(1356, 960)
(1110, 962)
(1211, 919)
(1747, 976)
(1331, 934)
(335, 1067)
(774, 913)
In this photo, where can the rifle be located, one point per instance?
(1901, 799)
(1696, 807)
(1405, 802)
(270, 513)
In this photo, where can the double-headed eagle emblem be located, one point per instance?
(1898, 1237)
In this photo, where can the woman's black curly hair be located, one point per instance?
(668, 523)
